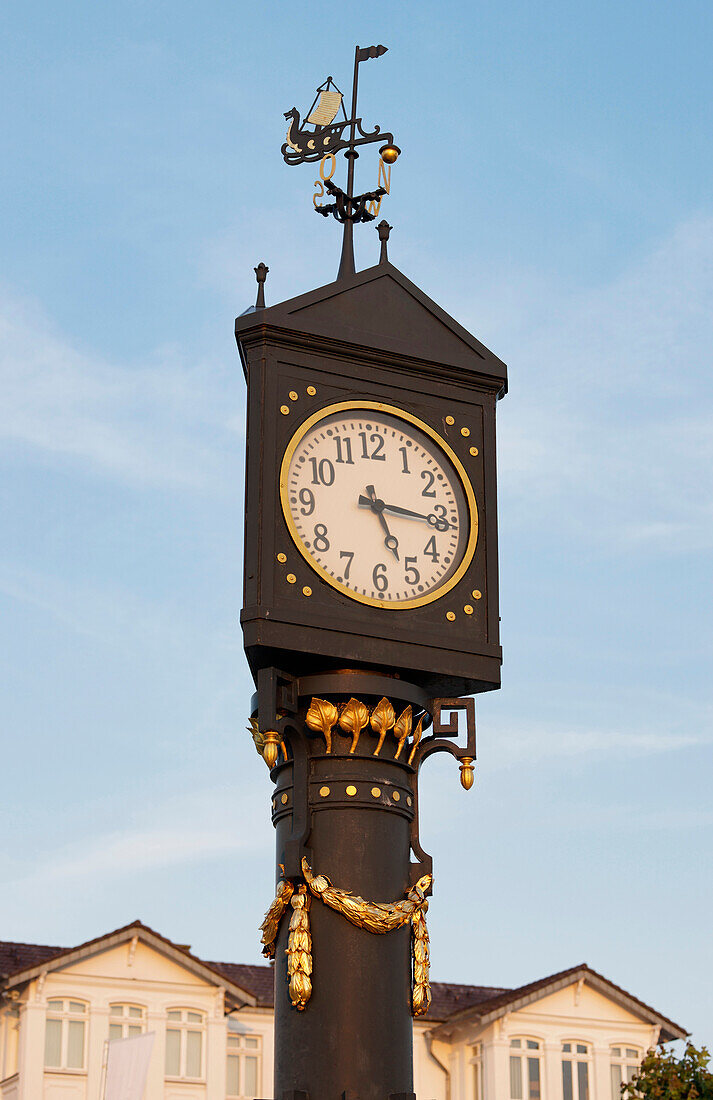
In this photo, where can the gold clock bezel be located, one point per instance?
(380, 406)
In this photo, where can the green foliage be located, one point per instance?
(663, 1076)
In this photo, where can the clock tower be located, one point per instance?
(370, 620)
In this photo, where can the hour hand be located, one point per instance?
(377, 506)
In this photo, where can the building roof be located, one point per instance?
(452, 1006)
(510, 1000)
(25, 961)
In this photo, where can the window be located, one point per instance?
(65, 1034)
(184, 1043)
(624, 1064)
(575, 1071)
(12, 1035)
(476, 1061)
(126, 1021)
(525, 1069)
(243, 1064)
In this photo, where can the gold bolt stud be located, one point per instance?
(284, 409)
(468, 609)
(396, 796)
(293, 395)
(291, 578)
(270, 748)
(283, 800)
(451, 616)
(376, 792)
(282, 558)
(306, 591)
(450, 420)
(465, 432)
(351, 791)
(467, 775)
(474, 452)
(324, 791)
(311, 391)
(477, 594)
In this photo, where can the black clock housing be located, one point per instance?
(373, 336)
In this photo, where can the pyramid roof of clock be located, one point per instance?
(376, 310)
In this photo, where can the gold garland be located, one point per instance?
(376, 917)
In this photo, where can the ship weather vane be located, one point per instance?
(321, 136)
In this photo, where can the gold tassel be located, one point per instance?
(299, 950)
(421, 963)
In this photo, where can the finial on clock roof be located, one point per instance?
(261, 275)
(383, 229)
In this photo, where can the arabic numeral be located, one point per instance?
(344, 447)
(307, 502)
(347, 554)
(410, 568)
(430, 549)
(379, 578)
(376, 453)
(323, 472)
(426, 475)
(404, 459)
(321, 542)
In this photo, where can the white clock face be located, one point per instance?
(378, 504)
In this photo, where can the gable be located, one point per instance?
(138, 962)
(577, 1002)
(382, 310)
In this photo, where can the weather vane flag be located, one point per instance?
(321, 135)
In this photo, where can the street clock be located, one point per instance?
(371, 499)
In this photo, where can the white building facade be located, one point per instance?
(573, 1036)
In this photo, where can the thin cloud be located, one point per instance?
(161, 423)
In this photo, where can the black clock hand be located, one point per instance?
(433, 520)
(377, 506)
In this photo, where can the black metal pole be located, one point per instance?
(355, 1036)
(346, 263)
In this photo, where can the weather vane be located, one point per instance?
(328, 137)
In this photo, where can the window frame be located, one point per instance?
(125, 1021)
(623, 1062)
(476, 1061)
(65, 1017)
(524, 1054)
(575, 1058)
(184, 1025)
(10, 1041)
(241, 1053)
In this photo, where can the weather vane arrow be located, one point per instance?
(330, 136)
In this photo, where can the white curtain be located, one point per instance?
(127, 1067)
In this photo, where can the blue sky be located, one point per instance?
(554, 196)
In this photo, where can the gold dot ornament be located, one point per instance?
(351, 790)
(451, 616)
(311, 391)
(282, 558)
(293, 395)
(285, 409)
(291, 578)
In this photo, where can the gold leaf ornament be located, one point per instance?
(354, 717)
(417, 733)
(402, 729)
(321, 718)
(271, 923)
(382, 720)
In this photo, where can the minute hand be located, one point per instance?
(395, 508)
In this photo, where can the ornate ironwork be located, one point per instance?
(327, 137)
